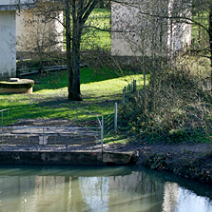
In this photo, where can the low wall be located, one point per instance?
(65, 158)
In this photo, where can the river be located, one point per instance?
(99, 189)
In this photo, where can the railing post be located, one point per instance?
(124, 95)
(8, 116)
(102, 132)
(77, 114)
(134, 86)
(2, 117)
(116, 117)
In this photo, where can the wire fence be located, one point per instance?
(128, 91)
(3, 116)
(47, 135)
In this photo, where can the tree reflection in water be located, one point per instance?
(68, 190)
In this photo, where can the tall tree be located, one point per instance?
(76, 13)
(79, 10)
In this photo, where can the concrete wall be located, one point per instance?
(8, 36)
(6, 5)
(14, 2)
(33, 34)
(7, 44)
(22, 31)
(138, 30)
(66, 158)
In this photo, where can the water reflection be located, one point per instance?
(109, 189)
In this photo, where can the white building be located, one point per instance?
(143, 27)
(19, 32)
(35, 34)
(8, 35)
(138, 28)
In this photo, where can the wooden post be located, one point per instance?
(116, 117)
(2, 117)
(124, 95)
(102, 132)
(134, 86)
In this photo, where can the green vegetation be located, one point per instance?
(177, 110)
(96, 34)
(172, 108)
(99, 89)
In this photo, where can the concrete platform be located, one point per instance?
(88, 158)
(53, 145)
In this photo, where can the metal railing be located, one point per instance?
(89, 127)
(50, 137)
(2, 115)
(100, 123)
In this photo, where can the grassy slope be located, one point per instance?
(49, 99)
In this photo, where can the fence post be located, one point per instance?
(134, 86)
(124, 95)
(2, 117)
(102, 132)
(116, 117)
(8, 116)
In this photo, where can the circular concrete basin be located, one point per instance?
(16, 85)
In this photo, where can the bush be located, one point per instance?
(177, 111)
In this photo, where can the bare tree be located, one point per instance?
(76, 15)
(79, 12)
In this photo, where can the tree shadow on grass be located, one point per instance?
(59, 79)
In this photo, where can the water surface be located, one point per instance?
(97, 189)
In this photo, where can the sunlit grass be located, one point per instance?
(96, 32)
(100, 89)
(92, 37)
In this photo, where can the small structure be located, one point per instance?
(21, 30)
(16, 85)
(8, 35)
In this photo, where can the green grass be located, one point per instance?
(100, 89)
(93, 38)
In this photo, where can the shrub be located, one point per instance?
(181, 112)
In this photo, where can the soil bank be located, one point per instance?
(192, 161)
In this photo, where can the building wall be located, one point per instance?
(8, 36)
(14, 2)
(36, 35)
(7, 44)
(138, 29)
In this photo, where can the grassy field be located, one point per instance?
(99, 89)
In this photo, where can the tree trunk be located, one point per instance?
(74, 82)
(80, 13)
(210, 38)
(68, 45)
